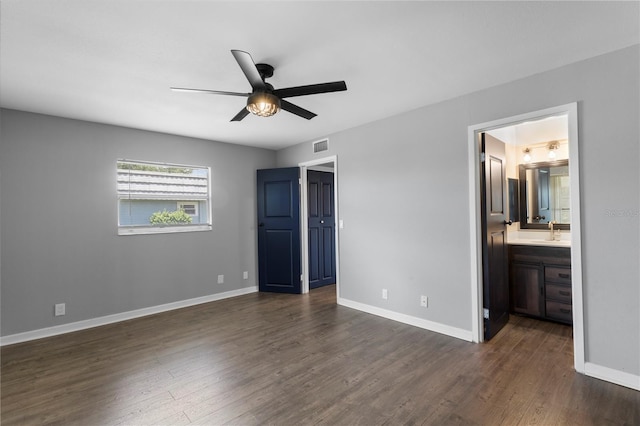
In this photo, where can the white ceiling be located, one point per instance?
(555, 128)
(114, 61)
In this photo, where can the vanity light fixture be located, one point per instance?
(553, 147)
(527, 155)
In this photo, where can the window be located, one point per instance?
(162, 198)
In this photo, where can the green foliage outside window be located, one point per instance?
(178, 217)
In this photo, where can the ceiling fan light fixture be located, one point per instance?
(263, 104)
(264, 100)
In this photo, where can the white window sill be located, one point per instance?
(144, 230)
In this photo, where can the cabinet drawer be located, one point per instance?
(559, 311)
(559, 293)
(557, 274)
(560, 256)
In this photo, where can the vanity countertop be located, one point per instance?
(530, 238)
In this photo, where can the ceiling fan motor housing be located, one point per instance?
(264, 103)
(265, 70)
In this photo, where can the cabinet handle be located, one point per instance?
(564, 293)
(564, 275)
(565, 311)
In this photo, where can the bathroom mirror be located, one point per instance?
(544, 195)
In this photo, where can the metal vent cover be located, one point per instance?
(321, 145)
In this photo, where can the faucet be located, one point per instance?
(551, 223)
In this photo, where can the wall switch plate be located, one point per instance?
(385, 294)
(424, 301)
(341, 224)
(59, 309)
(220, 279)
(245, 275)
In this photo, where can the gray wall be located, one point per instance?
(403, 196)
(59, 223)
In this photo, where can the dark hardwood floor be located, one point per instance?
(292, 360)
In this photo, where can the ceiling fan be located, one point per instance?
(264, 100)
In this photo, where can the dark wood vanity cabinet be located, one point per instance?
(525, 289)
(540, 282)
(557, 289)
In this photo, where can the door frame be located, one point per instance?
(304, 216)
(571, 111)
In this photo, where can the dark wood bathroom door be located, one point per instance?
(494, 242)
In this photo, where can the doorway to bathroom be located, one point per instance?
(487, 243)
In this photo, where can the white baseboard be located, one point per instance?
(614, 376)
(408, 319)
(123, 316)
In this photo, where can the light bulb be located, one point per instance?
(263, 104)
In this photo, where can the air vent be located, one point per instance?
(320, 146)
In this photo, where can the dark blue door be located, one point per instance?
(279, 230)
(322, 260)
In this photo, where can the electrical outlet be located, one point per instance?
(424, 301)
(385, 294)
(220, 279)
(59, 309)
(245, 275)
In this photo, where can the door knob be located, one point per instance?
(322, 221)
(509, 222)
(261, 224)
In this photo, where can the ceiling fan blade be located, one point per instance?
(242, 114)
(249, 69)
(212, 92)
(295, 109)
(311, 89)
